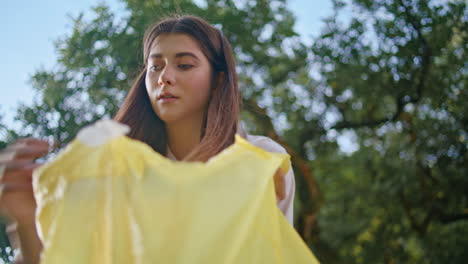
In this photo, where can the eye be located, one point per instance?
(155, 68)
(185, 66)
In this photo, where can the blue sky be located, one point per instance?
(31, 27)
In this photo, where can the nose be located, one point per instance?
(166, 77)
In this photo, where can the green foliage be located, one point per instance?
(394, 77)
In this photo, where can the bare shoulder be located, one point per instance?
(265, 143)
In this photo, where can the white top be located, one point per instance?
(287, 204)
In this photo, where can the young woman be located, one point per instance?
(185, 104)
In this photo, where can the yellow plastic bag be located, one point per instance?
(116, 200)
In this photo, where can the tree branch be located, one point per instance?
(446, 218)
(402, 100)
(372, 123)
(426, 54)
(299, 162)
(420, 229)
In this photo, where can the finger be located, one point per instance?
(28, 148)
(19, 175)
(51, 144)
(31, 152)
(31, 141)
(280, 184)
(6, 155)
(14, 187)
(4, 158)
(17, 164)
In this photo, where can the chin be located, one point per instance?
(168, 118)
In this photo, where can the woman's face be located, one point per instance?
(178, 78)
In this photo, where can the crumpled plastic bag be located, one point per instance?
(109, 199)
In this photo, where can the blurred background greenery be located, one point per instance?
(393, 79)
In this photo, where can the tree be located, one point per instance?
(395, 76)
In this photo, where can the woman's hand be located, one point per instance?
(280, 184)
(17, 201)
(16, 167)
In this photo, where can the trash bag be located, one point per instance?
(107, 199)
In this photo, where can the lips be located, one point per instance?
(167, 97)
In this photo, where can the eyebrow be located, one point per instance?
(178, 55)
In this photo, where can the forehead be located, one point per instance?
(170, 44)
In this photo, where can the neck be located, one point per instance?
(183, 136)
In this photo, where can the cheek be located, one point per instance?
(200, 85)
(150, 85)
(200, 96)
(147, 85)
(152, 94)
(148, 82)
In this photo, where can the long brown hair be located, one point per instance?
(222, 117)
